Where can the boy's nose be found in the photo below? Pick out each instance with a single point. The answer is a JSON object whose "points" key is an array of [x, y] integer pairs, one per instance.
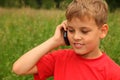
{"points": [[77, 36]]}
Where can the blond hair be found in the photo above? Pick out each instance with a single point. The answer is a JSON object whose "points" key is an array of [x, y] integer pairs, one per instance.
{"points": [[96, 9]]}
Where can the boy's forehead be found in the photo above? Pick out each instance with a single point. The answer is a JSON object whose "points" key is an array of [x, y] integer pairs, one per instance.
{"points": [[83, 19]]}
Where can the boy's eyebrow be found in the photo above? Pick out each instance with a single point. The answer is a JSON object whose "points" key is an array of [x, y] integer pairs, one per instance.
{"points": [[85, 28], [69, 26]]}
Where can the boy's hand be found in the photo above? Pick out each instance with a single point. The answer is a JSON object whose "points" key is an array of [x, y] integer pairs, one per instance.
{"points": [[33, 56], [58, 35]]}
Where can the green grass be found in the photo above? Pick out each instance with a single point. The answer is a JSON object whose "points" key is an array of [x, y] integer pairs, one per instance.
{"points": [[111, 43], [23, 29]]}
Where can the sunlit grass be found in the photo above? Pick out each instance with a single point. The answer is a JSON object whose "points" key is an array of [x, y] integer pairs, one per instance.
{"points": [[21, 30]]}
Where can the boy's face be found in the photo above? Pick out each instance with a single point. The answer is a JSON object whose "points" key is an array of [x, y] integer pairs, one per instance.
{"points": [[84, 36]]}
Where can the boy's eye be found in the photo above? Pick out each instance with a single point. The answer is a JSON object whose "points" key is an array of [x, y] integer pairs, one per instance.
{"points": [[84, 31], [71, 30]]}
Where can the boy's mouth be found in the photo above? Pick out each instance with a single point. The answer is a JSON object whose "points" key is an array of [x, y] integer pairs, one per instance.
{"points": [[78, 45]]}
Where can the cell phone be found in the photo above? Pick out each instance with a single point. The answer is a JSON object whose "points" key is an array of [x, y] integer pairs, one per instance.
{"points": [[66, 38]]}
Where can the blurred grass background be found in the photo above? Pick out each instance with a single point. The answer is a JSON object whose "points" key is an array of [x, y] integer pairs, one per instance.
{"points": [[25, 28]]}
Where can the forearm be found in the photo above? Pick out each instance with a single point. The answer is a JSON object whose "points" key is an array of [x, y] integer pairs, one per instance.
{"points": [[27, 62], [29, 59]]}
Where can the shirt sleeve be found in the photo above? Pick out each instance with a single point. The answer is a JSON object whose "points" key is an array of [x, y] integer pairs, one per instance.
{"points": [[45, 67]]}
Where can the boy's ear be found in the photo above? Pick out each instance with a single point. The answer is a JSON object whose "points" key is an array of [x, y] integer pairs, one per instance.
{"points": [[103, 31]]}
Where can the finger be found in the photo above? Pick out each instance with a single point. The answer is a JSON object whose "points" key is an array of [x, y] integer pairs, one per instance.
{"points": [[64, 25]]}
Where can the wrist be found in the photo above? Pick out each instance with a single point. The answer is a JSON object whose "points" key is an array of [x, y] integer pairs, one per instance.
{"points": [[56, 42]]}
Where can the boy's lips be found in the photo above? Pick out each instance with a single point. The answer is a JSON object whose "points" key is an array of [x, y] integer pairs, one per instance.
{"points": [[78, 45]]}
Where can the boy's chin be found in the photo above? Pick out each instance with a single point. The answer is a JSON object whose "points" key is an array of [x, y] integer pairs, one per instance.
{"points": [[79, 52]]}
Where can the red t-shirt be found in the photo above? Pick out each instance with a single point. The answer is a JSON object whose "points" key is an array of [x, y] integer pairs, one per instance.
{"points": [[67, 65]]}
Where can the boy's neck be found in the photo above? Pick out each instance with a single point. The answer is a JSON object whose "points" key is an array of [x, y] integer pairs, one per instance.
{"points": [[92, 55]]}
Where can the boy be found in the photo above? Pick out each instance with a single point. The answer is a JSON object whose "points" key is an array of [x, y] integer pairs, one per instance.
{"points": [[86, 25]]}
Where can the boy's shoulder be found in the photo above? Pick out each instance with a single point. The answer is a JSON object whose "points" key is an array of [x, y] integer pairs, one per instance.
{"points": [[62, 52], [113, 68], [111, 62]]}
